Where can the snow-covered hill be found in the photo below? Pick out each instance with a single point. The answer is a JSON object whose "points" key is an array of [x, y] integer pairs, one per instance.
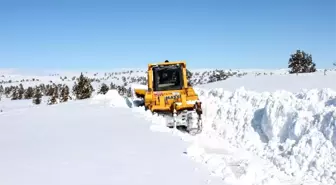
{"points": [[260, 128], [275, 80]]}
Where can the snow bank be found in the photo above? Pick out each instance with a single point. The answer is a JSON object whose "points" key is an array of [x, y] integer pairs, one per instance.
{"points": [[295, 132], [264, 138], [111, 98]]}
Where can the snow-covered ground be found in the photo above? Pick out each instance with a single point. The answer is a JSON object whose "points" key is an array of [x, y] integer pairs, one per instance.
{"points": [[258, 130], [90, 142]]}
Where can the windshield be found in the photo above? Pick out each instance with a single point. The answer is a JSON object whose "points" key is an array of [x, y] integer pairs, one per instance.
{"points": [[167, 79]]}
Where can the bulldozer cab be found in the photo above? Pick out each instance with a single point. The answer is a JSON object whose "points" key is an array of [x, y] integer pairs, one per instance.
{"points": [[167, 78]]}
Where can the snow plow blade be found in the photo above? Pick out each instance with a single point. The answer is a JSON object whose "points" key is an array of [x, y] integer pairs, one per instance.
{"points": [[169, 94]]}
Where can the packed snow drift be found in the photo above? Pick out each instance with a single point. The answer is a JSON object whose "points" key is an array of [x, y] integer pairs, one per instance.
{"points": [[112, 98]]}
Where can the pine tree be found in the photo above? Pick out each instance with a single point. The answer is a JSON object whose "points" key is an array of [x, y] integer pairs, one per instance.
{"points": [[15, 93], [8, 91], [1, 91], [113, 86], [43, 89], [83, 88], [20, 92], [37, 96], [29, 93], [49, 91], [301, 62], [64, 97], [54, 97], [129, 92], [103, 89]]}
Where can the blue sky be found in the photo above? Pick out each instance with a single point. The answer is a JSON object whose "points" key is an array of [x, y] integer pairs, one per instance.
{"points": [[96, 34]]}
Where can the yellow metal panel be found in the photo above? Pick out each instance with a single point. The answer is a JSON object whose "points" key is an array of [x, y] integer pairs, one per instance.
{"points": [[150, 78], [140, 92], [162, 103], [185, 80], [184, 99]]}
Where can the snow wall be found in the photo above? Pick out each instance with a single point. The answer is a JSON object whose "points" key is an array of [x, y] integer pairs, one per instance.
{"points": [[295, 132], [265, 138]]}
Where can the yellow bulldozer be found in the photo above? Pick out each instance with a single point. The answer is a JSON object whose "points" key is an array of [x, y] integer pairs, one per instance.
{"points": [[169, 94]]}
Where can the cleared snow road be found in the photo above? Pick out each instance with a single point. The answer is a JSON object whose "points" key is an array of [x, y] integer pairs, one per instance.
{"points": [[83, 144]]}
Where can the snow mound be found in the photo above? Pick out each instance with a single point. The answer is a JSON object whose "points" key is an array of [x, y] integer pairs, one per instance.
{"points": [[294, 132], [136, 101], [112, 98]]}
